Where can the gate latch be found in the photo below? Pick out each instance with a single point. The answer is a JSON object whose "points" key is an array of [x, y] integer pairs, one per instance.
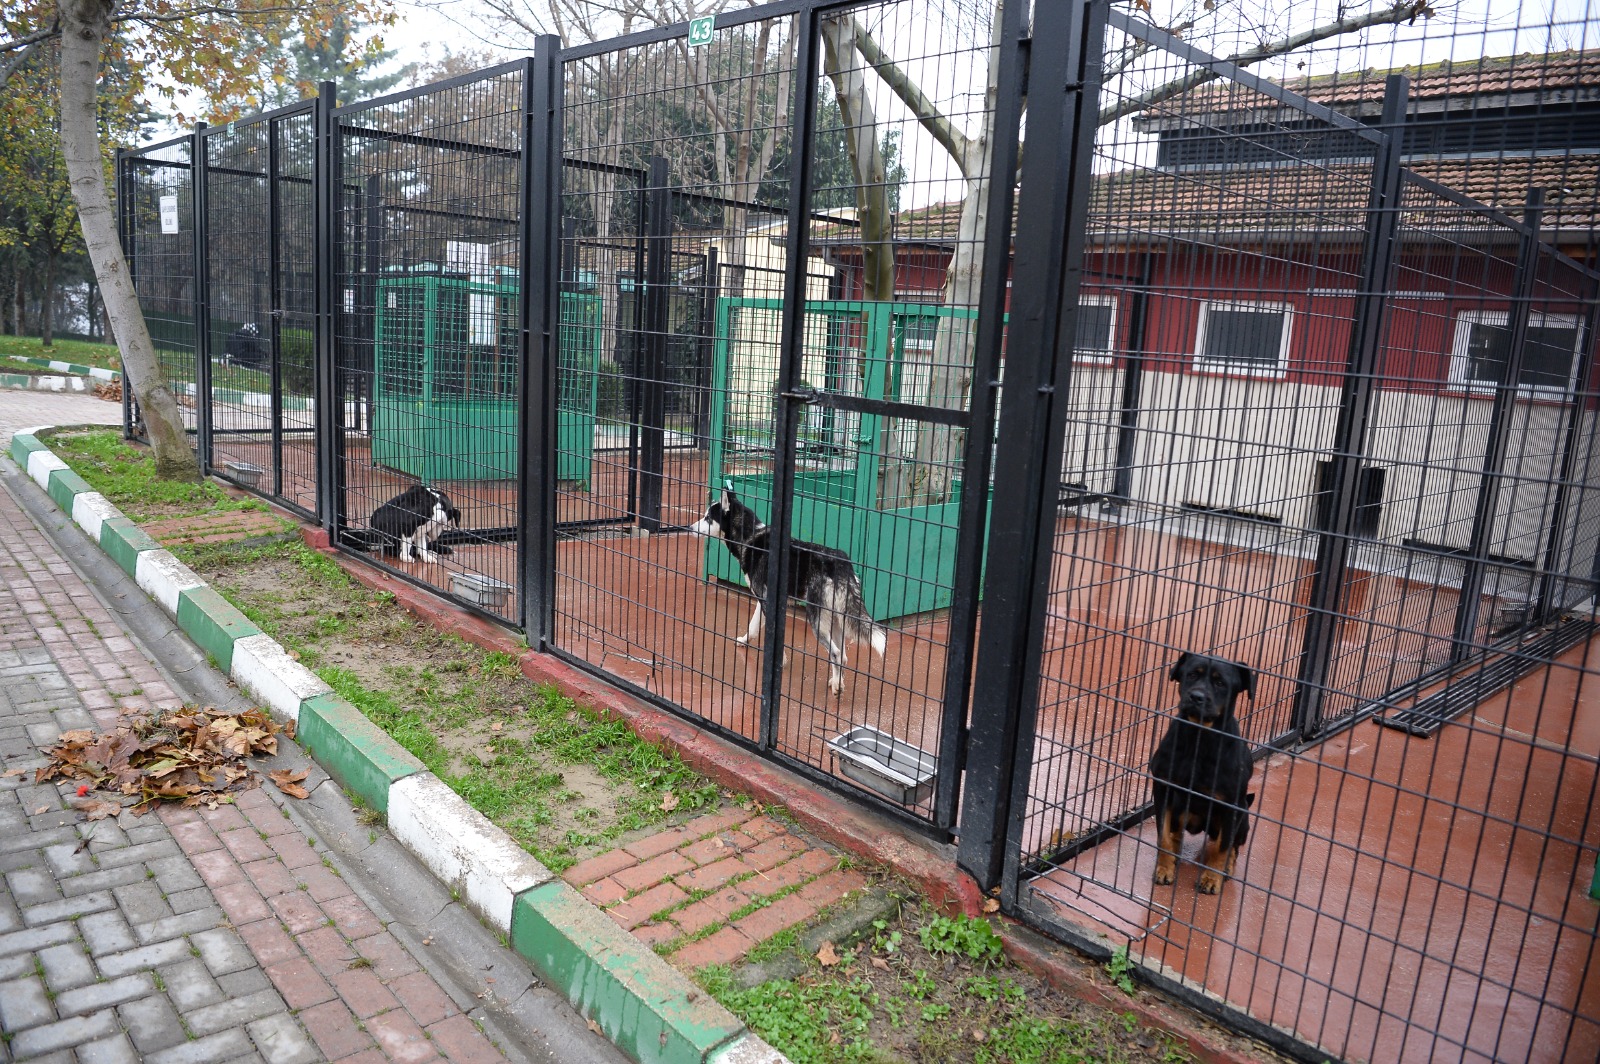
{"points": [[806, 395]]}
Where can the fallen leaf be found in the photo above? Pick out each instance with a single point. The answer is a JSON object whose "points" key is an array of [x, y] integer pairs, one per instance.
{"points": [[991, 905], [826, 955], [428, 941], [595, 1027], [42, 809], [288, 782], [95, 809], [880, 964], [979, 1034], [669, 802], [495, 726], [15, 771]]}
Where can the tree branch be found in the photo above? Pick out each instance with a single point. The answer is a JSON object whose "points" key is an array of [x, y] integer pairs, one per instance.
{"points": [[17, 62], [1405, 11], [928, 114]]}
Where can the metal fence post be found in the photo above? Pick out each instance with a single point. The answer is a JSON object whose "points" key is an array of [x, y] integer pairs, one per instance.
{"points": [[651, 361], [791, 346], [1355, 411], [1505, 395], [1063, 115], [124, 185], [202, 302], [329, 401], [1132, 385], [1545, 607], [274, 310], [976, 461], [538, 308]]}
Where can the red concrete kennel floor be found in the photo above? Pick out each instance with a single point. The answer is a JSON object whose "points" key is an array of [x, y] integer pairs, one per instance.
{"points": [[1400, 898]]}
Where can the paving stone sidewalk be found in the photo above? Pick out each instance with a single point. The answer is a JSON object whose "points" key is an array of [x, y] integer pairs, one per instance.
{"points": [[203, 936]]}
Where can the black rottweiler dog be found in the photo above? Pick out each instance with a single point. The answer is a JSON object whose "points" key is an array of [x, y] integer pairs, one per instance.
{"points": [[1201, 771]]}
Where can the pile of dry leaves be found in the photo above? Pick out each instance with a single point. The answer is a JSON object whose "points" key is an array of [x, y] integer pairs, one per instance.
{"points": [[192, 756]]}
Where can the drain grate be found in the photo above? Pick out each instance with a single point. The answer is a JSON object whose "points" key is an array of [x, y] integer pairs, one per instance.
{"points": [[1462, 693]]}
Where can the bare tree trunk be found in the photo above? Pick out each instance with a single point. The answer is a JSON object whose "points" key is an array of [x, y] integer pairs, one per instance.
{"points": [[47, 308], [18, 304], [84, 25], [866, 158]]}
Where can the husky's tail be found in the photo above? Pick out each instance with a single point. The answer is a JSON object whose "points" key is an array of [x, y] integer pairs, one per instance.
{"points": [[857, 623]]}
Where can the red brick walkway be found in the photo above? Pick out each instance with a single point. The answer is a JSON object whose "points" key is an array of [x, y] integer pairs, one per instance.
{"points": [[709, 891]]}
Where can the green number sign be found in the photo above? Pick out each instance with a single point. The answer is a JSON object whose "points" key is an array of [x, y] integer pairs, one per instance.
{"points": [[700, 30]]}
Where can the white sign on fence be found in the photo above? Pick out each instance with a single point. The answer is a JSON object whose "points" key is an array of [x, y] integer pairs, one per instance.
{"points": [[169, 214], [701, 29]]}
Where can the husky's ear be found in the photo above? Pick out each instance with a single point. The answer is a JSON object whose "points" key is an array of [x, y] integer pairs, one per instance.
{"points": [[728, 498]]}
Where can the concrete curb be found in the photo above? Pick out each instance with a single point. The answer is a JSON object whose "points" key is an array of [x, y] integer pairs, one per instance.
{"points": [[643, 1005], [75, 369]]}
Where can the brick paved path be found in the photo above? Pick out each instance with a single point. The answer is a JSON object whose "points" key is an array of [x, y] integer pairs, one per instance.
{"points": [[763, 878], [22, 410], [183, 936]]}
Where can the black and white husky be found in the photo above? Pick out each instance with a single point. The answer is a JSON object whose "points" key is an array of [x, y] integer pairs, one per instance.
{"points": [[819, 576], [410, 522]]}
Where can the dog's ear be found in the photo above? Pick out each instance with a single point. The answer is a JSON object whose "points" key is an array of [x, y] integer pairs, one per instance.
{"points": [[727, 498], [1177, 669], [1247, 680]]}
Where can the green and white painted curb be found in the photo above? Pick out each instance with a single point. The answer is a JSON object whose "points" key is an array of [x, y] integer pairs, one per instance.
{"points": [[64, 376], [645, 1007]]}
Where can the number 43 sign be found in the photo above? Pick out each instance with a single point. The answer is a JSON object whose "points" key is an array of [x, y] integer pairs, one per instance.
{"points": [[700, 30]]}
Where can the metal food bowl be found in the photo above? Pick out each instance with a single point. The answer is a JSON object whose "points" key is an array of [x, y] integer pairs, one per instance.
{"points": [[484, 591], [248, 474], [892, 767]]}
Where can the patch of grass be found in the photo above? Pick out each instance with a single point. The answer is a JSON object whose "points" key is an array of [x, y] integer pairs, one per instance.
{"points": [[80, 351], [970, 937], [778, 944], [404, 725], [1120, 969], [126, 476]]}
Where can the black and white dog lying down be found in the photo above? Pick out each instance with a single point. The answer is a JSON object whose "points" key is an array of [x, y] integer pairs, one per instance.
{"points": [[819, 576], [410, 522]]}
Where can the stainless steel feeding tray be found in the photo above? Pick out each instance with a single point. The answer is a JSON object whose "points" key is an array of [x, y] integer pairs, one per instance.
{"points": [[483, 591], [878, 761], [246, 473]]}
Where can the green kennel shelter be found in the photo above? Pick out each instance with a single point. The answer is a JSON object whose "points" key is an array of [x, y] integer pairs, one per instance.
{"points": [[445, 389], [855, 478]]}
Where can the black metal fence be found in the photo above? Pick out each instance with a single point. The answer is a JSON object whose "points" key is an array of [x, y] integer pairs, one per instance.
{"points": [[1287, 381]]}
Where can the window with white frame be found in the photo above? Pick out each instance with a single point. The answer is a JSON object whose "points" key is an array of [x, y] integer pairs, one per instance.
{"points": [[1238, 337], [1483, 343], [1097, 327]]}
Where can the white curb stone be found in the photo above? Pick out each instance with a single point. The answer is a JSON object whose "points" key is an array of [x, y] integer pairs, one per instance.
{"points": [[90, 510], [462, 847], [103, 374], [41, 464], [164, 578], [265, 669], [746, 1049]]}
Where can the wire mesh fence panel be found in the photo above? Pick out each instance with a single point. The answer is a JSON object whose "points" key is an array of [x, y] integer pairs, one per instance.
{"points": [[675, 186], [427, 334], [157, 206], [240, 301], [294, 324], [1354, 456]]}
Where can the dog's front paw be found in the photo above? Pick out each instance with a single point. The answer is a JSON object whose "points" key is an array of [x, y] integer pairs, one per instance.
{"points": [[743, 640], [428, 557], [1211, 881], [444, 549], [835, 685], [1166, 870]]}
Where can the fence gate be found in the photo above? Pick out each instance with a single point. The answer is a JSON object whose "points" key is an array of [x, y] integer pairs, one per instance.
{"points": [[258, 300], [711, 213], [1355, 451], [155, 210], [427, 193]]}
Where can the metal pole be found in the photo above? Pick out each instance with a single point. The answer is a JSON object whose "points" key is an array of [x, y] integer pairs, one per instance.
{"points": [[1505, 396], [124, 174], [652, 366], [1545, 605], [202, 305], [329, 402], [1132, 386], [975, 463], [791, 346], [1063, 113], [275, 309], [1355, 412], [711, 291], [538, 310]]}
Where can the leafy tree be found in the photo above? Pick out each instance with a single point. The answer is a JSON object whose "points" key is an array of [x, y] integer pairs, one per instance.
{"points": [[292, 68], [165, 45]]}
